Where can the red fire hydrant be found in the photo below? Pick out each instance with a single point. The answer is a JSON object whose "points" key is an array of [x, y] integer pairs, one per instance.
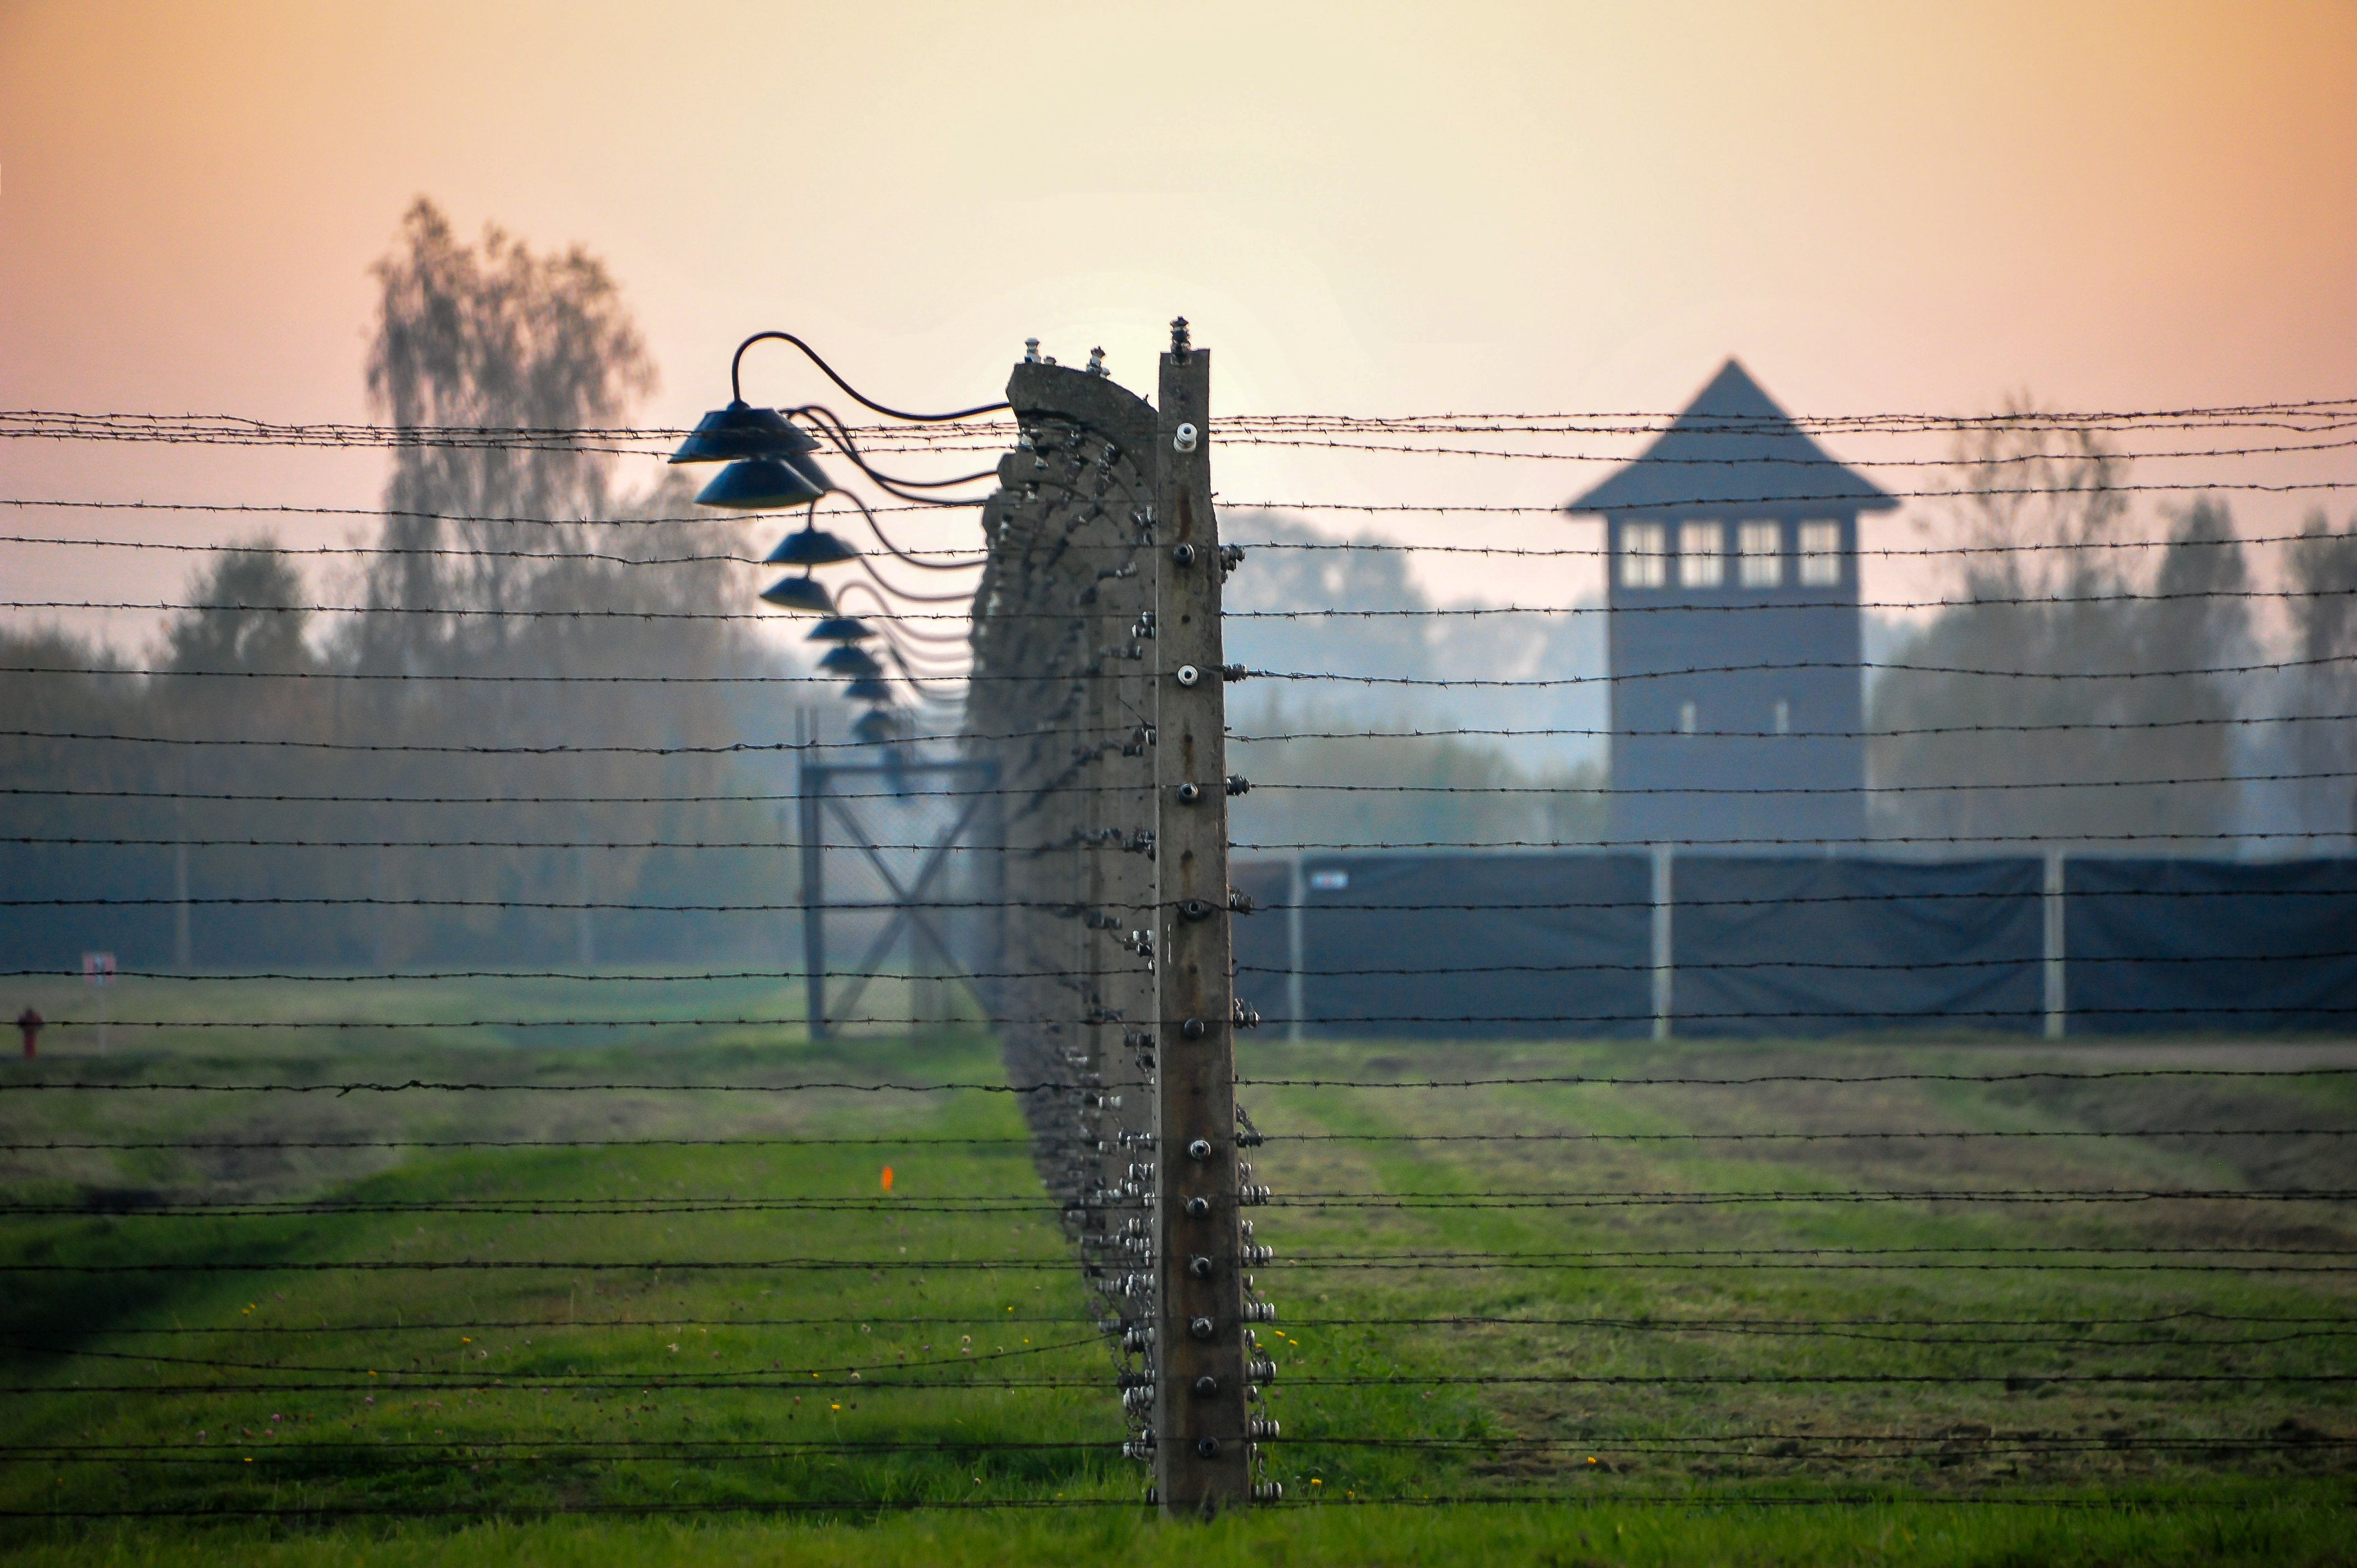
{"points": [[30, 1022]]}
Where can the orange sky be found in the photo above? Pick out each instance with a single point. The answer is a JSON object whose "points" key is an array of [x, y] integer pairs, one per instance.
{"points": [[1364, 207]]}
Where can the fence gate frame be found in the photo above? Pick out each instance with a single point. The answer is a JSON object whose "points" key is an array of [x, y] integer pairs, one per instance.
{"points": [[909, 910]]}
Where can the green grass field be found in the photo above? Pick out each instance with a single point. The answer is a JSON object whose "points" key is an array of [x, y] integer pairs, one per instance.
{"points": [[2159, 1387]]}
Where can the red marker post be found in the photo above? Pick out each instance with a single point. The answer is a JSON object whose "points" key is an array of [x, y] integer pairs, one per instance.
{"points": [[30, 1021]]}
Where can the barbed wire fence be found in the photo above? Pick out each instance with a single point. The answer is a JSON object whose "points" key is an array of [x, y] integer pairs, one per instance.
{"points": [[1101, 608], [1095, 691]]}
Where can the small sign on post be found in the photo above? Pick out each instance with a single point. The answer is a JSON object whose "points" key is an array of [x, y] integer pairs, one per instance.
{"points": [[98, 969]]}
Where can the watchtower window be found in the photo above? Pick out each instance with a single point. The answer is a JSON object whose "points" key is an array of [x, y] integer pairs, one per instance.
{"points": [[1821, 563], [1761, 554], [1702, 558], [1644, 556]]}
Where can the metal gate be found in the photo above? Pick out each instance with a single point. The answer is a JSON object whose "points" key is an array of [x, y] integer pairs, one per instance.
{"points": [[901, 858]]}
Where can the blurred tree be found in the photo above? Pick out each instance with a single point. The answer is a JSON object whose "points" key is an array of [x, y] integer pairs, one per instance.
{"points": [[490, 337], [67, 789], [2047, 591], [533, 348], [245, 612], [462, 814], [248, 614], [1371, 739], [2324, 629]]}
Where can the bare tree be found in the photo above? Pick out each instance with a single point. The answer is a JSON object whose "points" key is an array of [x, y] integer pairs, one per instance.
{"points": [[2063, 625], [535, 348], [491, 337], [2022, 479]]}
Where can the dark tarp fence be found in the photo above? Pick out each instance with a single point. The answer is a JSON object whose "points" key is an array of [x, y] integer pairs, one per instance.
{"points": [[1263, 940], [1531, 946], [2193, 944], [1489, 945], [1813, 945]]}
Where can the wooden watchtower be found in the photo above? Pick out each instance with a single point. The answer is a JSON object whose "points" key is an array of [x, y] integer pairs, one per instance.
{"points": [[1737, 707]]}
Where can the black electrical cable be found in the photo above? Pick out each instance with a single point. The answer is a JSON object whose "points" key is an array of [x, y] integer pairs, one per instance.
{"points": [[890, 484], [735, 384], [885, 609]]}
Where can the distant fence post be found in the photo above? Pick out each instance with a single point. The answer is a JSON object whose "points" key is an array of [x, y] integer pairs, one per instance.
{"points": [[806, 787], [183, 944], [1296, 890], [1665, 975], [2057, 998]]}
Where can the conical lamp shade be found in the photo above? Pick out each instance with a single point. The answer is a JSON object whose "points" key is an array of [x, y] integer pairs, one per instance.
{"points": [[758, 484], [845, 660], [799, 594], [740, 430], [807, 467], [869, 689], [810, 547], [840, 628], [876, 727]]}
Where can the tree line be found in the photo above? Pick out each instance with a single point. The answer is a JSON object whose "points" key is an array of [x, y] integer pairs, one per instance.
{"points": [[376, 720], [2200, 716], [422, 783]]}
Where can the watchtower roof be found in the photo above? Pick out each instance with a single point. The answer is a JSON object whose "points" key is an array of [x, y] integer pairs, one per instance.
{"points": [[1733, 445]]}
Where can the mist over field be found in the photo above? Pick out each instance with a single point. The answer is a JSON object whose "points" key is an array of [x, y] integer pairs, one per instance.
{"points": [[1357, 928]]}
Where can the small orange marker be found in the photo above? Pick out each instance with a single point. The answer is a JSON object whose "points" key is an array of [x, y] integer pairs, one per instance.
{"points": [[887, 1178]]}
